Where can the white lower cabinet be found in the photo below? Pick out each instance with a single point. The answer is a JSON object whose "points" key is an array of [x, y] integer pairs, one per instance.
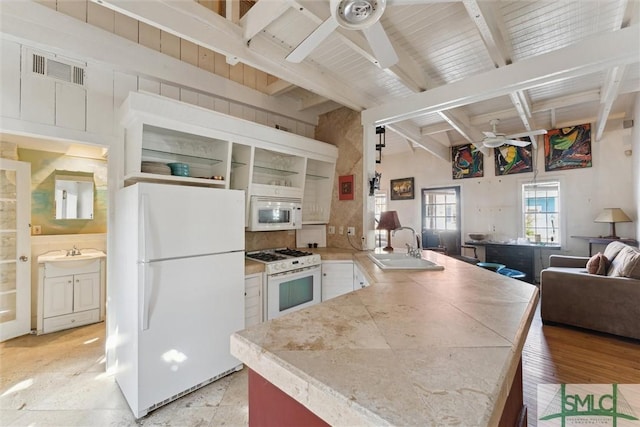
{"points": [[252, 299], [70, 297], [337, 278]]}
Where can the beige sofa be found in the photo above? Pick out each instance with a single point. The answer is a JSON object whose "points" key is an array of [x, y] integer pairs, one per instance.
{"points": [[607, 303]]}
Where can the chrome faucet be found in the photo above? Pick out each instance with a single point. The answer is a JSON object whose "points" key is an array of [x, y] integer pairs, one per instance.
{"points": [[73, 252], [414, 251]]}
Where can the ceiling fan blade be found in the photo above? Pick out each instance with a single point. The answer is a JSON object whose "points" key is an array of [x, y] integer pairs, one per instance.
{"points": [[381, 45], [489, 134], [301, 51], [530, 133], [517, 143]]}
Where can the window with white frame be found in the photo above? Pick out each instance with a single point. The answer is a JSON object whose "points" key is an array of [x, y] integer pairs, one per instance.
{"points": [[541, 211], [380, 206]]}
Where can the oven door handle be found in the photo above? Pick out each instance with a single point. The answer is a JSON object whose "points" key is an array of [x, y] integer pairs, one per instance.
{"points": [[302, 270]]}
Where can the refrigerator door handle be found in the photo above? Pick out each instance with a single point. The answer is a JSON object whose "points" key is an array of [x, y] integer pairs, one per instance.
{"points": [[144, 223], [147, 290]]}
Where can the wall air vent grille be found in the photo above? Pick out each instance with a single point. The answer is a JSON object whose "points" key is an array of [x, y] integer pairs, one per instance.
{"points": [[58, 70], [38, 64]]}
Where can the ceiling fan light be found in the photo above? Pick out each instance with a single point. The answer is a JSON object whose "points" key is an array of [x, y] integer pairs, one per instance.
{"points": [[493, 143], [357, 14]]}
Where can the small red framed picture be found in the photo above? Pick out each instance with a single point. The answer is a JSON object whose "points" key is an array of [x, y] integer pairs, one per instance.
{"points": [[346, 187]]}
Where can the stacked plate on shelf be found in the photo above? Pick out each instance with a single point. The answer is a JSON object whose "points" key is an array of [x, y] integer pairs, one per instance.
{"points": [[155, 167]]}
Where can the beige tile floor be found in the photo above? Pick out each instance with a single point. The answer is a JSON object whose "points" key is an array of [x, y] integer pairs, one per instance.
{"points": [[59, 379]]}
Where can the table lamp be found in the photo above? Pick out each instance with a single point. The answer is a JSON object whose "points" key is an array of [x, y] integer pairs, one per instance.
{"points": [[612, 215], [388, 221]]}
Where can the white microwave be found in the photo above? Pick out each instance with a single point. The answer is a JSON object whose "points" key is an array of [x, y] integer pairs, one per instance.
{"points": [[274, 213]]}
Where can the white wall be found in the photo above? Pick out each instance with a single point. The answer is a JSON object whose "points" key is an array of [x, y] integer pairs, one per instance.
{"points": [[493, 201], [635, 147]]}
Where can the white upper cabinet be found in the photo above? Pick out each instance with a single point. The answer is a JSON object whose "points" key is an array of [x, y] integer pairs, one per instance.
{"points": [[219, 150]]}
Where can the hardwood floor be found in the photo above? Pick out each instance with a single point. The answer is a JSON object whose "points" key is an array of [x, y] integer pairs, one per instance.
{"points": [[559, 354]]}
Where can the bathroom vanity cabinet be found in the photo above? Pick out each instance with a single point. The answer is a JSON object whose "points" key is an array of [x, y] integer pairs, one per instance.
{"points": [[71, 293]]}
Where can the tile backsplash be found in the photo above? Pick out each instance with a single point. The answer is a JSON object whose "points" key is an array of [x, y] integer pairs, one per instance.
{"points": [[254, 241]]}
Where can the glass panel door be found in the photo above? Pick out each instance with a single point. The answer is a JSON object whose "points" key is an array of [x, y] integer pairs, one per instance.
{"points": [[15, 269], [440, 213]]}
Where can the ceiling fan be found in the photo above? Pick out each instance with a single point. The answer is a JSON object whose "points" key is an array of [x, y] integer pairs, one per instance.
{"points": [[352, 15], [494, 139]]}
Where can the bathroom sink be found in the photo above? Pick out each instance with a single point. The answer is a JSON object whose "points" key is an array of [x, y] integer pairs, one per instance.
{"points": [[61, 256], [393, 261]]}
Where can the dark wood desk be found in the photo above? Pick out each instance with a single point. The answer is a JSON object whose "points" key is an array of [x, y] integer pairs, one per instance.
{"points": [[604, 241], [519, 257]]}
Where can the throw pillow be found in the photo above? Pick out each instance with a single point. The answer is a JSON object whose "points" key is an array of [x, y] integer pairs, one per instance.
{"points": [[626, 263], [613, 249], [598, 264]]}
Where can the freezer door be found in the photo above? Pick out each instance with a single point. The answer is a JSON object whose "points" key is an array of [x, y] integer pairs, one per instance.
{"points": [[178, 221], [195, 304]]}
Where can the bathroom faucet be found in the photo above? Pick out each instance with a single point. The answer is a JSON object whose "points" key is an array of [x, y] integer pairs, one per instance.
{"points": [[73, 252], [411, 250]]}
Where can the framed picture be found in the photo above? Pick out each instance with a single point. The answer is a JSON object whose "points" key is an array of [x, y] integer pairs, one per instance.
{"points": [[346, 187], [511, 159], [467, 162], [568, 148], [402, 189]]}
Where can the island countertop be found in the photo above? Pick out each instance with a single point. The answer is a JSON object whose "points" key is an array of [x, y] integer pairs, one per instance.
{"points": [[414, 348]]}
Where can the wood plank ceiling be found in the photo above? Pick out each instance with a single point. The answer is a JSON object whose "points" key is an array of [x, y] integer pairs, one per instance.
{"points": [[469, 46]]}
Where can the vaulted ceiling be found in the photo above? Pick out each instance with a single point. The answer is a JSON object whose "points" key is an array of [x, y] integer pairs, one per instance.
{"points": [[530, 64]]}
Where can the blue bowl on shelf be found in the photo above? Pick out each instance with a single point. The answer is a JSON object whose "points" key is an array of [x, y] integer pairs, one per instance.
{"points": [[179, 169]]}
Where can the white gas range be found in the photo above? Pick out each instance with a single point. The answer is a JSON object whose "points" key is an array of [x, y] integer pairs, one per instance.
{"points": [[293, 279]]}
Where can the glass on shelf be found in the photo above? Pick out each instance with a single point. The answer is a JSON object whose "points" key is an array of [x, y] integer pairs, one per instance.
{"points": [[316, 177], [273, 171], [157, 155]]}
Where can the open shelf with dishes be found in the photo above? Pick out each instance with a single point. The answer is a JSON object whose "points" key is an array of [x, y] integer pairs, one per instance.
{"points": [[278, 169], [318, 190], [172, 156]]}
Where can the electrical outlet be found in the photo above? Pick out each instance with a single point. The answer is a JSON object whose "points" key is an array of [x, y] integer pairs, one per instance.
{"points": [[37, 229], [341, 230], [332, 229], [351, 231]]}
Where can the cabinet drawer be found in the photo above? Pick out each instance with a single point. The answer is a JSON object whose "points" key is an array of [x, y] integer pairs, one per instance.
{"points": [[57, 323], [64, 268]]}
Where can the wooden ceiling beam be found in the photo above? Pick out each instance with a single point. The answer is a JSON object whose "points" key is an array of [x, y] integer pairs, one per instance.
{"points": [[588, 56], [263, 13], [412, 133], [197, 24]]}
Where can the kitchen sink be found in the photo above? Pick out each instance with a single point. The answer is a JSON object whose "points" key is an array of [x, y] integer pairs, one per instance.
{"points": [[391, 261]]}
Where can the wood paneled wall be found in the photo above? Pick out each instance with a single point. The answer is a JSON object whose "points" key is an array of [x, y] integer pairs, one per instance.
{"points": [[161, 41]]}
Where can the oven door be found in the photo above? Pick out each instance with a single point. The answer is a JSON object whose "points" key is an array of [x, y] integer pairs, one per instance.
{"points": [[292, 290]]}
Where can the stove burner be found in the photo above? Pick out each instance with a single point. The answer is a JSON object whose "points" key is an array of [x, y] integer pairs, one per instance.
{"points": [[292, 252], [266, 256]]}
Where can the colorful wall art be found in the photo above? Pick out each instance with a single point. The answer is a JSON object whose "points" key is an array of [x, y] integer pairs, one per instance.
{"points": [[568, 148], [467, 162], [510, 159], [402, 189]]}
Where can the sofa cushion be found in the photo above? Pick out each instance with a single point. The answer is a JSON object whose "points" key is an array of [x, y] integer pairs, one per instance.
{"points": [[626, 263], [613, 249], [598, 264]]}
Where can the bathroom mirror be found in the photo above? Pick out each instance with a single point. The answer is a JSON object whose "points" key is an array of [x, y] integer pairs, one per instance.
{"points": [[74, 196]]}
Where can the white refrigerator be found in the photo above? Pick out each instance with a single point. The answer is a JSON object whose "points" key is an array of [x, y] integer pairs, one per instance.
{"points": [[176, 291]]}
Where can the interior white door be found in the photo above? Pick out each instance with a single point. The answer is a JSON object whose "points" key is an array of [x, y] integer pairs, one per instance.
{"points": [[15, 268]]}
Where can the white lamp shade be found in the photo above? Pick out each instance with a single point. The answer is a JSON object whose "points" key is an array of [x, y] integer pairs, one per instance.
{"points": [[612, 215]]}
